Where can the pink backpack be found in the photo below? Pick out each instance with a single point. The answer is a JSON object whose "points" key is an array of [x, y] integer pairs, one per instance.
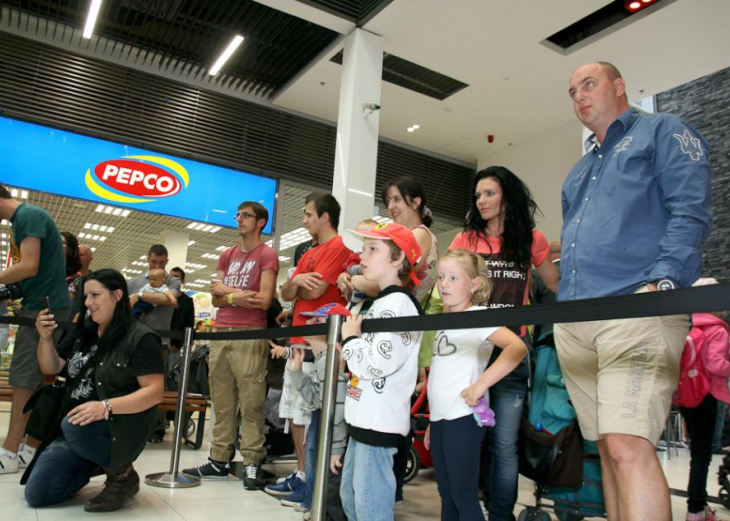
{"points": [[694, 382]]}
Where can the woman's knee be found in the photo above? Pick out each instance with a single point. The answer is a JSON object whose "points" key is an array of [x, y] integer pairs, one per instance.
{"points": [[36, 494]]}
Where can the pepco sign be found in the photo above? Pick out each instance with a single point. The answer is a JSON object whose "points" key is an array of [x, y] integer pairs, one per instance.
{"points": [[136, 176]]}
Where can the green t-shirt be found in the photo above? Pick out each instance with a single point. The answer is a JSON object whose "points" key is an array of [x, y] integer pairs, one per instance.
{"points": [[50, 281]]}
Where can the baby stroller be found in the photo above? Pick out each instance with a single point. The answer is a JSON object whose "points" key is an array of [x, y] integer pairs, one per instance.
{"points": [[566, 469], [722, 479], [420, 456]]}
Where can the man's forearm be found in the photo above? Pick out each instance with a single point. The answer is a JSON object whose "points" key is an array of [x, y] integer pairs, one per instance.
{"points": [[289, 290], [17, 272]]}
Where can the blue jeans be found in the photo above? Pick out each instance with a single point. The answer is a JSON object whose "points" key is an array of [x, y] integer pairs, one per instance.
{"points": [[719, 424], [66, 465], [507, 399], [454, 446], [368, 482], [310, 458]]}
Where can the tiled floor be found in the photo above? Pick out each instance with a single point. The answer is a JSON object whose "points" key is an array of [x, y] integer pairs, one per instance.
{"points": [[219, 500]]}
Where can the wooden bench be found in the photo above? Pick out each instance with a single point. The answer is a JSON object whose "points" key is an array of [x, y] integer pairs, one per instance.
{"points": [[193, 403]]}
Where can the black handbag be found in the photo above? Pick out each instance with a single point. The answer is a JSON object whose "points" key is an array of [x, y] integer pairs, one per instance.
{"points": [[45, 407], [554, 460]]}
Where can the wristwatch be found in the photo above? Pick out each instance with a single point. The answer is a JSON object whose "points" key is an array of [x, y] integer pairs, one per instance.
{"points": [[230, 298], [663, 284]]}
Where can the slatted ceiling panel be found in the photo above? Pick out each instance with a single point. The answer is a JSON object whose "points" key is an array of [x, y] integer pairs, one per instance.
{"points": [[192, 33], [53, 87], [354, 10]]}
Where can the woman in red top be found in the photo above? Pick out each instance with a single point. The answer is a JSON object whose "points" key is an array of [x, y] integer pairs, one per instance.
{"points": [[500, 227]]}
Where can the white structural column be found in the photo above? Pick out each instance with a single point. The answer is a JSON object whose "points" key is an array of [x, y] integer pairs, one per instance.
{"points": [[358, 121], [177, 249]]}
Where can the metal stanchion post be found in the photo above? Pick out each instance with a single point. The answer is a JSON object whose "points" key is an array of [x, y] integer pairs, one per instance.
{"points": [[326, 421], [173, 478]]}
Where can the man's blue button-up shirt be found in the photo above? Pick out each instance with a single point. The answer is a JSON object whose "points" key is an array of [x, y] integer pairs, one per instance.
{"points": [[637, 208]]}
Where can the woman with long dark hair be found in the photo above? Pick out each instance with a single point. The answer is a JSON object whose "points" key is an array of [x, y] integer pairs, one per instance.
{"points": [[73, 263], [500, 227], [114, 379]]}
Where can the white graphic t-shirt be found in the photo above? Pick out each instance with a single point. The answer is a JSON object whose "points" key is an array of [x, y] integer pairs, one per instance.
{"points": [[460, 356]]}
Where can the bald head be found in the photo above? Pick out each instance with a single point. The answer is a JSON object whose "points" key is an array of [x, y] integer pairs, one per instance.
{"points": [[86, 257], [599, 96]]}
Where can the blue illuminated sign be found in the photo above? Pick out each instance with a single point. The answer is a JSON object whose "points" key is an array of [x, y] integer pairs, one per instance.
{"points": [[59, 162]]}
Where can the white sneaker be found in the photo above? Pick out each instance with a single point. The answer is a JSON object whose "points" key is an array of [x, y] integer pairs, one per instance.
{"points": [[25, 455], [9, 462]]}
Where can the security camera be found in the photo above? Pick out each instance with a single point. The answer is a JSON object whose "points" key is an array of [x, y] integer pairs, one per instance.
{"points": [[370, 106]]}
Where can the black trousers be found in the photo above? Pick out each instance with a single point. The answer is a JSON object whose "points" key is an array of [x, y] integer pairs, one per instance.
{"points": [[700, 422]]}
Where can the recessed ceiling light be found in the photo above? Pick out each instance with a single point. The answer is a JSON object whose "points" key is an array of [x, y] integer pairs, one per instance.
{"points": [[410, 129], [91, 18], [190, 243], [415, 127], [237, 40]]}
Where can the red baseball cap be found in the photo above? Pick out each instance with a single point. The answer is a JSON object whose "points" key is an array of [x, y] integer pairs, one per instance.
{"points": [[402, 237], [328, 309]]}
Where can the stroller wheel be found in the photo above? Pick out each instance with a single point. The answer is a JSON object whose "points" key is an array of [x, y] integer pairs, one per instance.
{"points": [[724, 497], [413, 465], [532, 514], [189, 428]]}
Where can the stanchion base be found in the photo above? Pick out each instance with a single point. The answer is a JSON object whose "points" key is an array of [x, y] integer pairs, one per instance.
{"points": [[170, 480]]}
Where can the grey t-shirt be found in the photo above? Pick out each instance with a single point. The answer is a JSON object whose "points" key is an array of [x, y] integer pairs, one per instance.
{"points": [[161, 316]]}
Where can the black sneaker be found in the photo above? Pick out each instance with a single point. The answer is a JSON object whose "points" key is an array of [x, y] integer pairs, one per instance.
{"points": [[210, 470], [251, 479]]}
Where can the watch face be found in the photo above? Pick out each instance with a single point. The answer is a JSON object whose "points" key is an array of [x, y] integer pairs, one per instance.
{"points": [[664, 285]]}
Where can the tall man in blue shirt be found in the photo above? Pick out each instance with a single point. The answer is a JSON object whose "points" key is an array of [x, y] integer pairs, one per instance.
{"points": [[636, 210]]}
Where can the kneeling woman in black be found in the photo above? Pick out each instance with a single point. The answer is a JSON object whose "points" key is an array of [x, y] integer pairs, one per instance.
{"points": [[114, 374]]}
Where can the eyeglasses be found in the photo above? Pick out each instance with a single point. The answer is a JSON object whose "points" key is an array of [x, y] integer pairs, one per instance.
{"points": [[243, 215]]}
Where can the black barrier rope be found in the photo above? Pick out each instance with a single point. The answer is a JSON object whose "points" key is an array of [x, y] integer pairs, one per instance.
{"points": [[682, 301], [30, 322]]}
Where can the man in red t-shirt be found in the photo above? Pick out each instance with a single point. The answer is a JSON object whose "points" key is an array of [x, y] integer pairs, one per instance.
{"points": [[313, 284], [243, 291]]}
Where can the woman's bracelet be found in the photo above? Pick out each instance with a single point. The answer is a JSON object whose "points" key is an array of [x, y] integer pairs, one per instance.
{"points": [[107, 409]]}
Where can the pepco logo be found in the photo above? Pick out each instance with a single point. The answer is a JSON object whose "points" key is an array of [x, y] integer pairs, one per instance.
{"points": [[135, 176]]}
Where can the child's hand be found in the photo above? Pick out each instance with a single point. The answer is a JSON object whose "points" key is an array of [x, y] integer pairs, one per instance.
{"points": [[344, 283], [296, 360], [342, 363], [335, 463], [133, 299], [427, 438], [472, 393], [277, 351], [352, 327]]}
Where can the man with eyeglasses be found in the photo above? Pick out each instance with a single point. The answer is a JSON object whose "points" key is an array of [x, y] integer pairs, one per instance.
{"points": [[243, 291]]}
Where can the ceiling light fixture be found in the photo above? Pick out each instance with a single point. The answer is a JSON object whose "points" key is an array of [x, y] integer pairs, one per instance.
{"points": [[223, 58], [91, 18]]}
